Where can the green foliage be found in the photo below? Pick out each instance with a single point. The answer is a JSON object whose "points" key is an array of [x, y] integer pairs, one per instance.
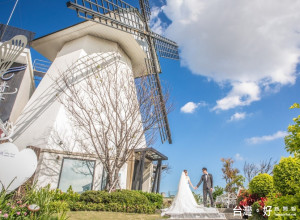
{"points": [[295, 105], [113, 207], [197, 198], [128, 197], [11, 209], [292, 141], [118, 201], [69, 196], [46, 199], [217, 192], [154, 198], [257, 215], [53, 203], [288, 201], [95, 196], [262, 185], [286, 176], [119, 196]]}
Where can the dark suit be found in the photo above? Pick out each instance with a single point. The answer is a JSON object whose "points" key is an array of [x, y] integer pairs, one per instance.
{"points": [[207, 185]]}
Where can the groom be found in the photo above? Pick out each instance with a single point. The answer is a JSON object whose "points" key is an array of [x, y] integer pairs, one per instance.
{"points": [[207, 180]]}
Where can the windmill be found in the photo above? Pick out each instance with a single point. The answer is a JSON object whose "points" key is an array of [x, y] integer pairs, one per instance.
{"points": [[125, 17]]}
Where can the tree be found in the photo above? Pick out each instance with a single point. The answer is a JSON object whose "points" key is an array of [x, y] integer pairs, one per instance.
{"points": [[287, 176], [292, 141], [230, 174], [110, 113], [217, 192], [251, 169]]}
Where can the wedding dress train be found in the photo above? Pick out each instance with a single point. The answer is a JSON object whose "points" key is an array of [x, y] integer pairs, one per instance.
{"points": [[184, 205]]}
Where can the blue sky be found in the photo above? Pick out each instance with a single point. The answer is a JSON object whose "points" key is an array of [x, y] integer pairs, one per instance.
{"points": [[203, 137]]}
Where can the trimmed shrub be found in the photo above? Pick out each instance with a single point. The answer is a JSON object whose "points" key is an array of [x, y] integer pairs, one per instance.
{"points": [[113, 207], [128, 197], [153, 198], [95, 197], [262, 185], [286, 176], [119, 201]]}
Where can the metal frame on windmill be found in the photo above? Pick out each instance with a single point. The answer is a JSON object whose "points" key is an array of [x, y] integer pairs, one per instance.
{"points": [[123, 16]]}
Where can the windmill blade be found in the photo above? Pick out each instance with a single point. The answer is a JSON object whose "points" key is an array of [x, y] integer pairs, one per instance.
{"points": [[114, 13], [165, 47], [145, 7], [158, 102]]}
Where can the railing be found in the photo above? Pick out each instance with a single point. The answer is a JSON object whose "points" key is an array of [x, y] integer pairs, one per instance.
{"points": [[41, 65]]}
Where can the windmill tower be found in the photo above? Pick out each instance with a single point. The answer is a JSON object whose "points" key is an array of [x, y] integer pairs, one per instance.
{"points": [[115, 27], [123, 16]]}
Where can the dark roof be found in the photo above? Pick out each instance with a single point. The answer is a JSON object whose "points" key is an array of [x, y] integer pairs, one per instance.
{"points": [[151, 154]]}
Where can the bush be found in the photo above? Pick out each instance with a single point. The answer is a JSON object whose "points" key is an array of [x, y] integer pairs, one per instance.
{"points": [[285, 201], [262, 185], [128, 197], [118, 201], [14, 205], [113, 207], [197, 198], [259, 205], [217, 192], [69, 196], [95, 197], [154, 198], [286, 176]]}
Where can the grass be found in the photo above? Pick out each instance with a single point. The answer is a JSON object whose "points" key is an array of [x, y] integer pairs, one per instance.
{"points": [[111, 216]]}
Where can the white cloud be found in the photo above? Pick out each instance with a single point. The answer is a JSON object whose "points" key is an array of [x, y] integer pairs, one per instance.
{"points": [[238, 157], [190, 107], [155, 22], [238, 116], [257, 140], [251, 46]]}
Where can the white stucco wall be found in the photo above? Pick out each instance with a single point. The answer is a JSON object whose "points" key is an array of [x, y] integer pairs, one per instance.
{"points": [[43, 113]]}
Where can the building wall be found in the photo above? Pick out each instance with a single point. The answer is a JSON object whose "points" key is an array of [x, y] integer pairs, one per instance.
{"points": [[147, 176], [44, 116], [13, 104], [26, 88]]}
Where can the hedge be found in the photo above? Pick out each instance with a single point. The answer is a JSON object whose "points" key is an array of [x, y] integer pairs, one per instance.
{"points": [[118, 201], [113, 207]]}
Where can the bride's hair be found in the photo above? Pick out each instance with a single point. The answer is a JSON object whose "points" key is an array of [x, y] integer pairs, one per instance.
{"points": [[185, 171]]}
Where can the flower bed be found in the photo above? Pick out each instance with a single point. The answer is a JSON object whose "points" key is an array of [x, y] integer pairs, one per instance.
{"points": [[53, 203]]}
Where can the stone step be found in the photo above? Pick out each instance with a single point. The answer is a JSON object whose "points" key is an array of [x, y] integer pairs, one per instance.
{"points": [[231, 216]]}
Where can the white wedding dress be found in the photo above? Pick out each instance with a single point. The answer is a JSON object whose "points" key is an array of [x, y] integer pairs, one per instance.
{"points": [[184, 204]]}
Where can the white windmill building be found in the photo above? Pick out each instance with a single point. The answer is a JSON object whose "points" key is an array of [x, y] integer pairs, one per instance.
{"points": [[122, 31]]}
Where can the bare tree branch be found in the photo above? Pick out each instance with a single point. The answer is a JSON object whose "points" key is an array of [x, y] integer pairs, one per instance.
{"points": [[111, 113]]}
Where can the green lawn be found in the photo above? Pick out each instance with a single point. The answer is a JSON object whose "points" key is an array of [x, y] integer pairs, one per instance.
{"points": [[111, 216]]}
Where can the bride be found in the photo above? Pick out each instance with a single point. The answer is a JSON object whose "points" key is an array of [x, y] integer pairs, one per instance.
{"points": [[184, 204]]}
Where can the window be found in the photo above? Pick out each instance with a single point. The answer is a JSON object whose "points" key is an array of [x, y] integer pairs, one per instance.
{"points": [[76, 173], [104, 179]]}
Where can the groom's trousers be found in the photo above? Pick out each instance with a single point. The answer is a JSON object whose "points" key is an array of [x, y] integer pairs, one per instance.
{"points": [[205, 191]]}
